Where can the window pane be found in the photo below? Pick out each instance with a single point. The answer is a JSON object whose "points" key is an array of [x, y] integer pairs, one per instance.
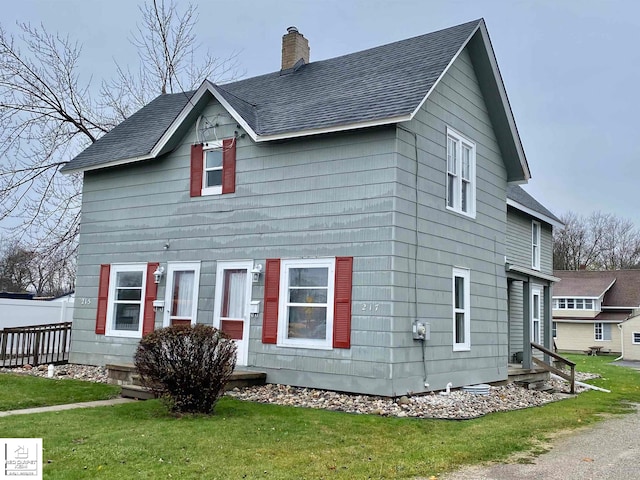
{"points": [[459, 293], [450, 191], [134, 294], [536, 306], [588, 304], [182, 296], [466, 162], [308, 277], [460, 328], [234, 300], [465, 196], [307, 322], [535, 233], [214, 178], [570, 303], [307, 295], [129, 279], [127, 317], [213, 159], [451, 156], [579, 304]]}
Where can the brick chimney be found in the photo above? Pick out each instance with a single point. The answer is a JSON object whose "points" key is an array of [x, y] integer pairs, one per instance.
{"points": [[294, 48]]}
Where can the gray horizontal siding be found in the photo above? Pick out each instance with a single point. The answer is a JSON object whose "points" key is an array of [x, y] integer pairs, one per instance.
{"points": [[447, 239], [519, 241]]}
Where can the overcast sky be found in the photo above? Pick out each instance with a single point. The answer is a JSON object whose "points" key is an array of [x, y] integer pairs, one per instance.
{"points": [[571, 69]]}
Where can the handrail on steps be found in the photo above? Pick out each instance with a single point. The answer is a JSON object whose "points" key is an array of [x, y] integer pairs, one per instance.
{"points": [[571, 378]]}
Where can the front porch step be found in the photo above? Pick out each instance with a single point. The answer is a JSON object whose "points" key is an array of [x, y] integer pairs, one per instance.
{"points": [[518, 374], [127, 377]]}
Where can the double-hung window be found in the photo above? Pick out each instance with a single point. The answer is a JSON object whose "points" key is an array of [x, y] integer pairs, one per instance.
{"points": [[461, 310], [306, 302], [461, 174], [126, 300], [635, 338], [212, 168], [535, 245]]}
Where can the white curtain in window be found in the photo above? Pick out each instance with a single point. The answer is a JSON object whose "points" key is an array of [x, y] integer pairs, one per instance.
{"points": [[183, 293], [237, 294]]}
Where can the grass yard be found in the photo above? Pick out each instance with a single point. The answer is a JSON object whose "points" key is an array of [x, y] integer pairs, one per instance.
{"points": [[23, 391], [252, 441]]}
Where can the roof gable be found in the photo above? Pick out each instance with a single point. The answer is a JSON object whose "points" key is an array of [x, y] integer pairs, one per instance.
{"points": [[379, 86]]}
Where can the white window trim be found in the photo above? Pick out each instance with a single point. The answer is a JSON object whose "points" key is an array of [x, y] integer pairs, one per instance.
{"points": [[283, 311], [536, 292], [457, 194], [181, 266], [564, 300], [535, 245], [633, 338], [115, 269], [465, 274], [595, 332], [216, 190]]}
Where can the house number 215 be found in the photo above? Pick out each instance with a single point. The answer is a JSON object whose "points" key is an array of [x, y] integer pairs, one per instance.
{"points": [[370, 307]]}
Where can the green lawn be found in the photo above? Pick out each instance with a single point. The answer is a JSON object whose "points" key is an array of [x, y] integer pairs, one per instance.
{"points": [[246, 440], [23, 391]]}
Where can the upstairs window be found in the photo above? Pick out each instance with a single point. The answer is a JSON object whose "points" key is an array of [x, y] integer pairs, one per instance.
{"points": [[461, 174], [213, 168], [535, 245]]}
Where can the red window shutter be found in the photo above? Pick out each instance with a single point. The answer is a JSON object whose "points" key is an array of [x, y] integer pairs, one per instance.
{"points": [[342, 303], [103, 299], [271, 299], [229, 165], [148, 315], [197, 162]]}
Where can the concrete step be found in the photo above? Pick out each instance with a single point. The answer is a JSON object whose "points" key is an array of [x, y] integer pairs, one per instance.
{"points": [[137, 392]]}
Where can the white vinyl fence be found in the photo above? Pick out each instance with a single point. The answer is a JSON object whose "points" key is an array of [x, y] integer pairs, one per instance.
{"points": [[23, 313]]}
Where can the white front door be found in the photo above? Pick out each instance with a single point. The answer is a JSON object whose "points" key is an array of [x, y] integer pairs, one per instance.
{"points": [[232, 303], [181, 297]]}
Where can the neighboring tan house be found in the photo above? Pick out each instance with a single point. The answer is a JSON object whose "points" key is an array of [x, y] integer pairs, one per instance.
{"points": [[589, 308], [345, 220]]}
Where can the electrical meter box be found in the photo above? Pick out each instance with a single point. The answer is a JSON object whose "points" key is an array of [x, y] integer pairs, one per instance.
{"points": [[421, 330]]}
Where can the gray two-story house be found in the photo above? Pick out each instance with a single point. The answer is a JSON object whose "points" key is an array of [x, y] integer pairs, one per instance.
{"points": [[345, 221]]}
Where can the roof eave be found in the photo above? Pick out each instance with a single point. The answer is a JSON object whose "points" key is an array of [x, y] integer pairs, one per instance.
{"points": [[114, 163], [540, 216]]}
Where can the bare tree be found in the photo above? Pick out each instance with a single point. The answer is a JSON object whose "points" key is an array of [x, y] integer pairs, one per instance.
{"points": [[598, 242], [48, 114], [169, 60]]}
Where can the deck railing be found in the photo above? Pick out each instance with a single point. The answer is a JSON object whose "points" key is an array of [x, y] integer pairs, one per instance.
{"points": [[35, 344], [570, 377]]}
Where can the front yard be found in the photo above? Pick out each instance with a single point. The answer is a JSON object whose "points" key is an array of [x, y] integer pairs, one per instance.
{"points": [[248, 440]]}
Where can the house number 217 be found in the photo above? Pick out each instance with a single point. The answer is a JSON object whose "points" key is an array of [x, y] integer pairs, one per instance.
{"points": [[370, 307]]}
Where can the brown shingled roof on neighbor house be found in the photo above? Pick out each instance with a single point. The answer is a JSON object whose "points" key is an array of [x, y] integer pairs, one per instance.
{"points": [[625, 291], [608, 316]]}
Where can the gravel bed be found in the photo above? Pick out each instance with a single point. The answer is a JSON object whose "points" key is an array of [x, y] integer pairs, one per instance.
{"points": [[88, 373], [457, 405]]}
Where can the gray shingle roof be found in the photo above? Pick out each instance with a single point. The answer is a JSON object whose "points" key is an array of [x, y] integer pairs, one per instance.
{"points": [[382, 82], [517, 194], [136, 136], [379, 83]]}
